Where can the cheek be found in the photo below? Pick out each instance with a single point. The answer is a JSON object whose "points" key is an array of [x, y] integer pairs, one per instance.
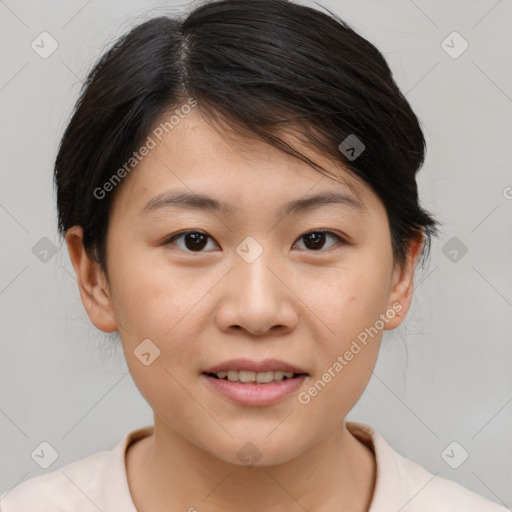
{"points": [[350, 306], [152, 296], [352, 301], [166, 305]]}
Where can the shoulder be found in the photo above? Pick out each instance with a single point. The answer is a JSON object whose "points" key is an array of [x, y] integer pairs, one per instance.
{"points": [[71, 487], [96, 482], [428, 491], [402, 484]]}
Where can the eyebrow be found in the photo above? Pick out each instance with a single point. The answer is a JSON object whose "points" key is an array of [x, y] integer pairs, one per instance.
{"points": [[196, 201]]}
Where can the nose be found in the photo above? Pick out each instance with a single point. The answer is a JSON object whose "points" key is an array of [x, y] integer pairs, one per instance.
{"points": [[258, 297]]}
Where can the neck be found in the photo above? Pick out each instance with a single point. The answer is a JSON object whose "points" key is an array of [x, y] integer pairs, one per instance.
{"points": [[337, 473]]}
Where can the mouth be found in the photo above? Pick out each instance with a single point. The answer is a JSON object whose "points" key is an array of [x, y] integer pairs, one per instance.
{"points": [[251, 377], [254, 383]]}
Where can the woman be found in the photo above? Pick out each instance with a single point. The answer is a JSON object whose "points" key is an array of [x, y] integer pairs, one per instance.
{"points": [[237, 193]]}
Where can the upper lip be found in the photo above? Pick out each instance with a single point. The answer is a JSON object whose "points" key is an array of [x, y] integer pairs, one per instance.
{"points": [[266, 365]]}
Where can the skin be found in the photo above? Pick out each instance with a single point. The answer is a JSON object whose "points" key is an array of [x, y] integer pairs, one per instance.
{"points": [[293, 303]]}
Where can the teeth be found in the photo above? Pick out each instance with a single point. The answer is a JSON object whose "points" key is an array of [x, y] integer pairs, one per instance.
{"points": [[263, 377], [232, 375], [249, 376]]}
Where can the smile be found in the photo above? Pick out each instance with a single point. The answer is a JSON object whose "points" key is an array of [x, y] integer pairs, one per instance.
{"points": [[254, 377], [252, 392]]}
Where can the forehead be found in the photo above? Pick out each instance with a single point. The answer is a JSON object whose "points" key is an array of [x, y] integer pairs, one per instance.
{"points": [[194, 158]]}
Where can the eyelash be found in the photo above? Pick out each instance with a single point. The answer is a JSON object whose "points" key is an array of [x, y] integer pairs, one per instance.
{"points": [[171, 239]]}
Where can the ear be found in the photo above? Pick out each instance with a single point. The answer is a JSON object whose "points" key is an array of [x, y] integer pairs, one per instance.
{"points": [[400, 297], [92, 282]]}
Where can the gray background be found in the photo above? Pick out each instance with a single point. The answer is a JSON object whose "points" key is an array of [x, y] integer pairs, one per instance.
{"points": [[444, 376]]}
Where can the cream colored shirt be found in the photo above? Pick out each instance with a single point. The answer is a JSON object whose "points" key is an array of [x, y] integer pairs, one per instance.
{"points": [[99, 482]]}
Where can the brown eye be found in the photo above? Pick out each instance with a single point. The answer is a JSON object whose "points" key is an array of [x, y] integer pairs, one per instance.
{"points": [[193, 241], [315, 240]]}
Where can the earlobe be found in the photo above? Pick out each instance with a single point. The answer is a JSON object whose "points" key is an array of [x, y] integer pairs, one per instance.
{"points": [[92, 283], [400, 297]]}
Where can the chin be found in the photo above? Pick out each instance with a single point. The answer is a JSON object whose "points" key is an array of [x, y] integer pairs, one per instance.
{"points": [[260, 450]]}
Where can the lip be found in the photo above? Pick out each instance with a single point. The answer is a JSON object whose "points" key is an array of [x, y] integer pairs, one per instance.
{"points": [[254, 394], [265, 365]]}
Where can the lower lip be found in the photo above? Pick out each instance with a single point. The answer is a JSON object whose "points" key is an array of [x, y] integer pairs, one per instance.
{"points": [[255, 394]]}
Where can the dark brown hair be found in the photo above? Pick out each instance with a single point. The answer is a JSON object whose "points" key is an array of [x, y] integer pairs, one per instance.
{"points": [[267, 66]]}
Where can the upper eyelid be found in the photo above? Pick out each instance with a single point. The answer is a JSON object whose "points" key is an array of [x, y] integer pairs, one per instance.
{"points": [[319, 230]]}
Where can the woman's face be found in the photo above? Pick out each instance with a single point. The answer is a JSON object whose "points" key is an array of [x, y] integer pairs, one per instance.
{"points": [[251, 287]]}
